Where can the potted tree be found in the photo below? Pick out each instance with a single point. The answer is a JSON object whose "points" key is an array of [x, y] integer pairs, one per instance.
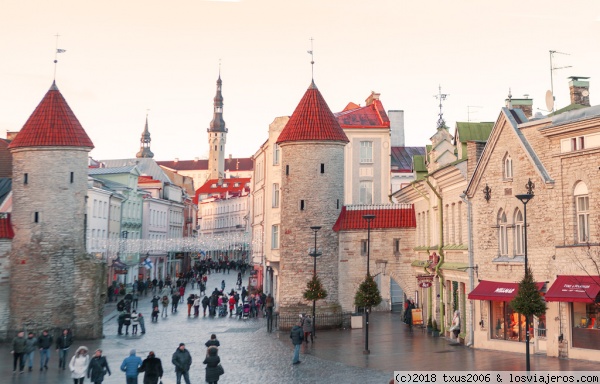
{"points": [[314, 291], [435, 330], [367, 295]]}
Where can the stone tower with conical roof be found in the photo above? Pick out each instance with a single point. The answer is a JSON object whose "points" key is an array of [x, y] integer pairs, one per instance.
{"points": [[54, 283], [217, 137], [312, 192], [145, 151]]}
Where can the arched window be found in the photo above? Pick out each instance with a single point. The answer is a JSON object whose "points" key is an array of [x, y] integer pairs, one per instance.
{"points": [[519, 233], [502, 234], [507, 170], [582, 206]]}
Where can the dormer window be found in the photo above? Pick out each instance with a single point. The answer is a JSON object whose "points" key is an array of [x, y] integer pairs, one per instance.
{"points": [[236, 185], [507, 170], [213, 186], [225, 185]]}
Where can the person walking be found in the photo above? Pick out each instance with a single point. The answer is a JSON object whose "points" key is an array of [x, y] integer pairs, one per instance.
{"points": [[213, 342], [79, 365], [130, 366], [269, 304], [127, 321], [134, 300], [44, 343], [152, 368], [174, 301], [97, 368], [155, 313], [142, 323], [182, 360], [307, 325], [455, 328], [135, 320], [205, 302], [197, 306], [62, 346], [19, 345], [30, 347], [165, 306], [213, 365], [190, 303], [296, 335]]}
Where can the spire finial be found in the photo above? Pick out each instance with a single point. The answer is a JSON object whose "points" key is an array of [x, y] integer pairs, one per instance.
{"points": [[58, 50], [441, 97], [509, 100], [219, 68], [312, 60]]}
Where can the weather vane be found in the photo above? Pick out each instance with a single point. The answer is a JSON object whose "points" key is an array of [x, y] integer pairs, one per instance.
{"points": [[312, 59], [58, 50], [441, 97]]}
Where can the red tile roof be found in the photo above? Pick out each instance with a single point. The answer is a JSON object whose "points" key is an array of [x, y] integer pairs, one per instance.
{"points": [[53, 123], [147, 180], [233, 164], [312, 120], [6, 231], [386, 216], [212, 187], [369, 116]]}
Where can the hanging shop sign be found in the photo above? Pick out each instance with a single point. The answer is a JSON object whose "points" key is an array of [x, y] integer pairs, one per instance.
{"points": [[425, 281]]}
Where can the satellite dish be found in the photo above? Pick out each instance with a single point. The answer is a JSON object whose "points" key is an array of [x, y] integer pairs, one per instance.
{"points": [[549, 101]]}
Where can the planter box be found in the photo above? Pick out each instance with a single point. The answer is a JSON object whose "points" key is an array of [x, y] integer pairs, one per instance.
{"points": [[356, 321]]}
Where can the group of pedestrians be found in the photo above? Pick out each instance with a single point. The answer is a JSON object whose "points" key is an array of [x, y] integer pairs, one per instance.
{"points": [[24, 348]]}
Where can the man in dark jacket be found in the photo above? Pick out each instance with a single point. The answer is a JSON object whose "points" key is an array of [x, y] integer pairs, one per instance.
{"points": [[44, 343], [152, 368], [18, 351], [297, 335], [62, 346], [182, 360], [97, 368]]}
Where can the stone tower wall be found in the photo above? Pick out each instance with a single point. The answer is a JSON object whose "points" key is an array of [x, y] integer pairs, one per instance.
{"points": [[216, 157], [53, 282], [323, 198]]}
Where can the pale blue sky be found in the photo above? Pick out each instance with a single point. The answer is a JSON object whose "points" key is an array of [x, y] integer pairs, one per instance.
{"points": [[124, 57]]}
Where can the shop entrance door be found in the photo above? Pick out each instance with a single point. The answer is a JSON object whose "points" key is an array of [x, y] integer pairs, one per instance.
{"points": [[539, 334]]}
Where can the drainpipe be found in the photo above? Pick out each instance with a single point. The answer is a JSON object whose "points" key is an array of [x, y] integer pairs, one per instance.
{"points": [[464, 198], [441, 254]]}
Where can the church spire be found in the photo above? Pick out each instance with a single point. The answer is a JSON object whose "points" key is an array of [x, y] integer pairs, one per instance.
{"points": [[145, 151], [218, 124]]}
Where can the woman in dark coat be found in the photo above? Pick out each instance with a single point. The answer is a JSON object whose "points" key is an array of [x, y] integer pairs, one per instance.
{"points": [[212, 361], [97, 368]]}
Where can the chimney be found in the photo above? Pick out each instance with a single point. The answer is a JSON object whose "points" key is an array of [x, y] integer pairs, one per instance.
{"points": [[10, 135], [579, 89], [176, 159], [230, 157], [196, 158], [372, 96], [396, 127], [525, 104]]}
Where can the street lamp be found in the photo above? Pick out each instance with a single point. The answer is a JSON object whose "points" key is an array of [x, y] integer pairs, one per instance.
{"points": [[525, 198], [315, 253], [369, 218]]}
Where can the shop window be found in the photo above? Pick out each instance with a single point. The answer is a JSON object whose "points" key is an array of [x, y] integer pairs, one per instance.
{"points": [[586, 325], [506, 323]]}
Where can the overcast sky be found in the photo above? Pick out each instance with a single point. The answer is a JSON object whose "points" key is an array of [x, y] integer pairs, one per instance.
{"points": [[125, 57]]}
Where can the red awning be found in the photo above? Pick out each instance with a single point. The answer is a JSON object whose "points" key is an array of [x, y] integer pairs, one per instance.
{"points": [[496, 291], [581, 289]]}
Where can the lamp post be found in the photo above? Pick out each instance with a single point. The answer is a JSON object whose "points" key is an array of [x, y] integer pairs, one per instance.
{"points": [[525, 198], [369, 218], [315, 253]]}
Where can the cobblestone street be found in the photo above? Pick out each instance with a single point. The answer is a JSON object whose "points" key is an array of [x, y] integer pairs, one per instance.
{"points": [[250, 355]]}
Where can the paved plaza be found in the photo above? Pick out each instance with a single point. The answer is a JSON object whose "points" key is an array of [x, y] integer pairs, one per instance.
{"points": [[251, 355]]}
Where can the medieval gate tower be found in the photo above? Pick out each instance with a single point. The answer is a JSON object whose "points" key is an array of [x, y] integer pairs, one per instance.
{"points": [[312, 146], [53, 282]]}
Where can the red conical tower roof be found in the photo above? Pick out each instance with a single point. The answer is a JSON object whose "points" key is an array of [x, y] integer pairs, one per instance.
{"points": [[52, 124], [312, 121]]}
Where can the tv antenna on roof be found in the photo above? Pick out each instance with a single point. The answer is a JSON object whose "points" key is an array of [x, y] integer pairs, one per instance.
{"points": [[550, 97], [469, 107]]}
